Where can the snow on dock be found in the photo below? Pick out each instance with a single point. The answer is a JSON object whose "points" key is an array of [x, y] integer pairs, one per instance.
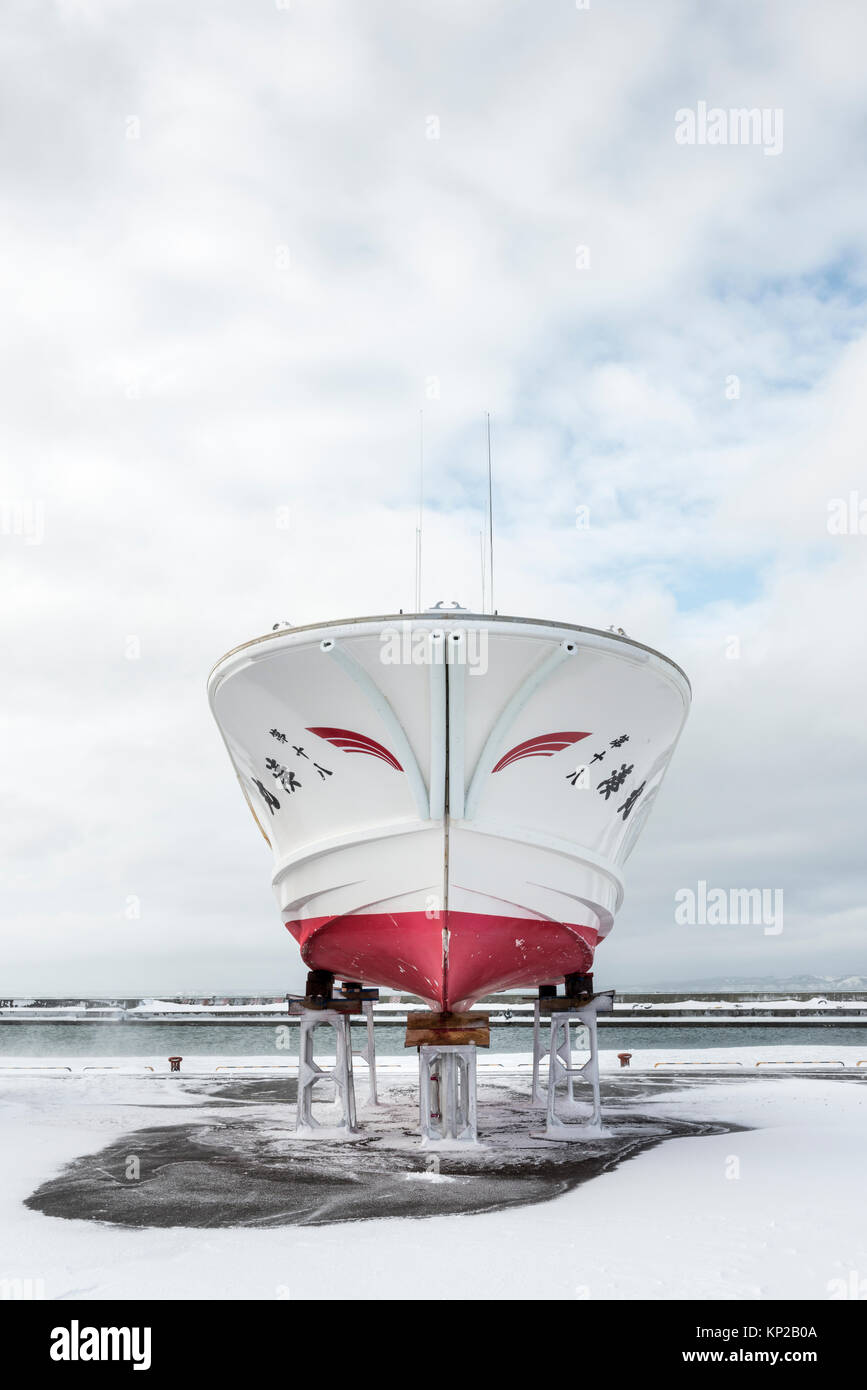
{"points": [[741, 1184], [519, 1064]]}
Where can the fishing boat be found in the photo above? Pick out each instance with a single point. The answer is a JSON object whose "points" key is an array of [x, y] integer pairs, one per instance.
{"points": [[449, 797]]}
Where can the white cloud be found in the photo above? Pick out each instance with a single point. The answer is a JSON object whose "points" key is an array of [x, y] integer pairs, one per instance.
{"points": [[241, 309]]}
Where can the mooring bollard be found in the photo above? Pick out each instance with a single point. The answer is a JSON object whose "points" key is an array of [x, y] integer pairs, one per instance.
{"points": [[624, 1058], [176, 1063]]}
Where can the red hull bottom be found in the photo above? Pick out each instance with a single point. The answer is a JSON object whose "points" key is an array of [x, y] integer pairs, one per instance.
{"points": [[405, 951]]}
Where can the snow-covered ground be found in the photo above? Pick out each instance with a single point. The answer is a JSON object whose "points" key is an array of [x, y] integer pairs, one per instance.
{"points": [[775, 1211], [642, 1059]]}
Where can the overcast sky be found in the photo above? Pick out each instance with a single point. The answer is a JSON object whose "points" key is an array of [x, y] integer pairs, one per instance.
{"points": [[243, 244]]}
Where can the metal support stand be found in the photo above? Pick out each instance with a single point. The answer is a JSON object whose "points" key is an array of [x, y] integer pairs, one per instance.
{"points": [[309, 1072], [546, 992], [536, 1096], [563, 1011], [560, 1068], [447, 1094], [564, 1056], [368, 1054]]}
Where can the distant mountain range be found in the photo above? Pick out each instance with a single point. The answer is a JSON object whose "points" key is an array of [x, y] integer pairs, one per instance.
{"points": [[762, 983]]}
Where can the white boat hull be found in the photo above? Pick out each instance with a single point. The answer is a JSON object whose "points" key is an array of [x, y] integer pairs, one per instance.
{"points": [[449, 800]]}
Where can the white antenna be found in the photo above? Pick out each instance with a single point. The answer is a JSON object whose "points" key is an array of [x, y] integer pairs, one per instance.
{"points": [[490, 522], [420, 511]]}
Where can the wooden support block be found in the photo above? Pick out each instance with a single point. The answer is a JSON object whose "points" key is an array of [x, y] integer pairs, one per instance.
{"points": [[428, 1019], [447, 1030], [447, 1037]]}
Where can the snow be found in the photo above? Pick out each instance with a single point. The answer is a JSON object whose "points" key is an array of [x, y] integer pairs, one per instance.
{"points": [[642, 1059], [169, 1006], [774, 1211], [733, 1006]]}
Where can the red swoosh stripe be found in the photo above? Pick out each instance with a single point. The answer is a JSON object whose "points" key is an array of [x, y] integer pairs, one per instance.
{"points": [[356, 743], [542, 746]]}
